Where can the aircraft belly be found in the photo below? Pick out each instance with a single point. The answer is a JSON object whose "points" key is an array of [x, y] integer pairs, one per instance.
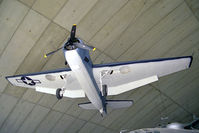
{"points": [[89, 89], [83, 77]]}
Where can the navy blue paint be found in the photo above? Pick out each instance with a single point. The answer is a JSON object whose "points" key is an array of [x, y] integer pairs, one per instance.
{"points": [[45, 72], [142, 61], [191, 61], [24, 78]]}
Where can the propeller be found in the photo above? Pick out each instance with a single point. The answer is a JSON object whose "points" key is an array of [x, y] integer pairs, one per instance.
{"points": [[84, 46], [72, 33], [48, 54], [72, 43]]}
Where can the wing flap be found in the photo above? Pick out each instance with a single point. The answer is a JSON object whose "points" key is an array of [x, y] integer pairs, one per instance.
{"points": [[115, 90], [46, 90], [74, 93], [67, 93]]}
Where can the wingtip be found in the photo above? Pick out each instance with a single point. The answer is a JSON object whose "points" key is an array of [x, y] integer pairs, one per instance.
{"points": [[8, 79], [191, 57]]}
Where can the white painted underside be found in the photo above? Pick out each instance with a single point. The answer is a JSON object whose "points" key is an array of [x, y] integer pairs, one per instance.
{"points": [[67, 93], [125, 77], [115, 90]]}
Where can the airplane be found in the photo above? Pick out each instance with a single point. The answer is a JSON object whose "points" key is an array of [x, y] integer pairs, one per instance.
{"points": [[161, 130], [192, 127], [97, 81]]}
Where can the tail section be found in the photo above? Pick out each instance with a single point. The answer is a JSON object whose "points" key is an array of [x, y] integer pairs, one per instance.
{"points": [[116, 104]]}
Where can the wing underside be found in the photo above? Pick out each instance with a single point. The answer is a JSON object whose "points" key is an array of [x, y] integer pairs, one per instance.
{"points": [[123, 77], [48, 82], [130, 75]]}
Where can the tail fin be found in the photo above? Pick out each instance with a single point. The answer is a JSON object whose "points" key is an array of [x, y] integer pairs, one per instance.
{"points": [[116, 104]]}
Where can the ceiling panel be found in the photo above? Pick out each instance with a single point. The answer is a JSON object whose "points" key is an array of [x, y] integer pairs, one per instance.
{"points": [[121, 30]]}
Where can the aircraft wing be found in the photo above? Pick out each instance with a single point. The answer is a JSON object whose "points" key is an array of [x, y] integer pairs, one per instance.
{"points": [[49, 81], [125, 76]]}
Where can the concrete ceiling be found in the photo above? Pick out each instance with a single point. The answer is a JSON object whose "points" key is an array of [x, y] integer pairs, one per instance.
{"points": [[121, 30]]}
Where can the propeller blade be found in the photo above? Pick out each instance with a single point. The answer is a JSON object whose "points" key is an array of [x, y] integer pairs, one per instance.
{"points": [[84, 46], [48, 54], [72, 33]]}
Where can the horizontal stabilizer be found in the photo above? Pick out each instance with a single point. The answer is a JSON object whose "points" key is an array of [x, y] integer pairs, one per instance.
{"points": [[87, 105], [116, 104]]}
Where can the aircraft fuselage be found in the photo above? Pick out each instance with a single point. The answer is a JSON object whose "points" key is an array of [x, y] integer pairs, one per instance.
{"points": [[81, 65]]}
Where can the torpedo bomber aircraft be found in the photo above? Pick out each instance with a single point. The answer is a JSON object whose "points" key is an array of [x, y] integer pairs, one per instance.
{"points": [[97, 81]]}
